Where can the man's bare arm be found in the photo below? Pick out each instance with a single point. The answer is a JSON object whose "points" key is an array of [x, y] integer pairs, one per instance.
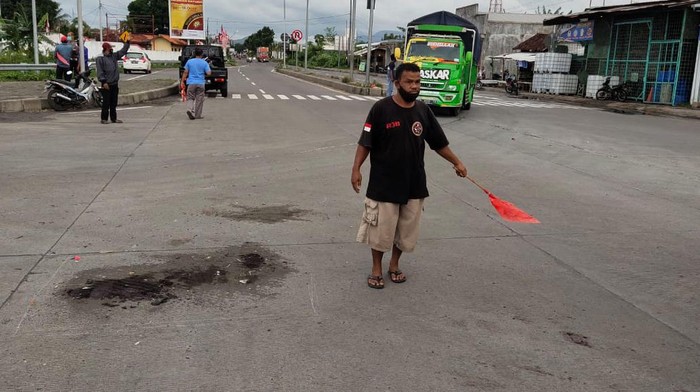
{"points": [[446, 152], [360, 156]]}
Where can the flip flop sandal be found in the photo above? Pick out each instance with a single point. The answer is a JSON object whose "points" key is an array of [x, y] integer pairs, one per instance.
{"points": [[378, 279], [394, 276]]}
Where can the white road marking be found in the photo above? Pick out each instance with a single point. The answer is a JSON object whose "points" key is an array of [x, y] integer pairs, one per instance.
{"points": [[252, 96], [493, 101], [373, 98], [344, 98], [262, 92], [268, 96], [357, 98], [140, 76], [283, 97], [299, 97], [328, 97], [247, 79], [253, 83], [314, 98], [100, 111], [236, 96]]}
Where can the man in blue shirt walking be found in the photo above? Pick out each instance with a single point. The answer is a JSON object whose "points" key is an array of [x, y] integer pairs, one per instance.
{"points": [[193, 77]]}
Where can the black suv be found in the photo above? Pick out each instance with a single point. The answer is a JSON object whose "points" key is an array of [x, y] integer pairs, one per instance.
{"points": [[218, 80]]}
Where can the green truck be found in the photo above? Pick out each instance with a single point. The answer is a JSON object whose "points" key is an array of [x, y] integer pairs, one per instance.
{"points": [[447, 48]]}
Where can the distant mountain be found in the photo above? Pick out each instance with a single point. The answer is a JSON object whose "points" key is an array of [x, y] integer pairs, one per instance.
{"points": [[378, 35]]}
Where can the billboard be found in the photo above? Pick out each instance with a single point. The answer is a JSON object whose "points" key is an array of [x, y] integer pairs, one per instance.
{"points": [[186, 19]]}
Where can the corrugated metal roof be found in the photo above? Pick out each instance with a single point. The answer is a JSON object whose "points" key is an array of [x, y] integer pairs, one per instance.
{"points": [[598, 12], [536, 43]]}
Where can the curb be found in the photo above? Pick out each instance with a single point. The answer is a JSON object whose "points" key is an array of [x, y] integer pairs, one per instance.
{"points": [[39, 104], [620, 107], [375, 92]]}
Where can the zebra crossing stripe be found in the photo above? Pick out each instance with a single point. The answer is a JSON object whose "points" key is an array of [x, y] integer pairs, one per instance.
{"points": [[373, 98], [357, 98], [328, 97], [283, 97], [299, 97], [315, 98], [344, 98], [252, 96], [268, 96], [236, 96]]}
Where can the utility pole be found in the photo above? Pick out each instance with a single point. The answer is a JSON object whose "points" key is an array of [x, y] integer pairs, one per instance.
{"points": [[81, 54], [370, 3], [351, 44], [36, 38], [284, 38], [306, 33], [99, 17]]}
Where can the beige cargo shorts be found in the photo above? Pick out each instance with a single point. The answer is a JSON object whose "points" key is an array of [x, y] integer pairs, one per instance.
{"points": [[386, 224]]}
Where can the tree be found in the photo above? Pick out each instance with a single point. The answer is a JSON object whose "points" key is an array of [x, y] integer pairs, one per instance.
{"points": [[263, 37], [320, 40], [391, 36], [239, 48], [549, 11], [329, 35], [18, 33], [72, 28], [51, 8], [144, 12]]}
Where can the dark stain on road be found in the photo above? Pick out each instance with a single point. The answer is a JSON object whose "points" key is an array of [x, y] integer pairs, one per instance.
{"points": [[243, 269], [179, 241], [266, 214], [577, 338]]}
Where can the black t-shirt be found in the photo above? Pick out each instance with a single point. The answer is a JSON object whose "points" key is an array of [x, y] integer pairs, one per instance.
{"points": [[396, 139]]}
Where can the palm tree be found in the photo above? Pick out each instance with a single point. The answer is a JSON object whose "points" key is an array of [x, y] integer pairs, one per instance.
{"points": [[17, 33]]}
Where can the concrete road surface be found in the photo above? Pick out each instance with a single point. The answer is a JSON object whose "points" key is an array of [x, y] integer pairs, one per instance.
{"points": [[165, 254]]}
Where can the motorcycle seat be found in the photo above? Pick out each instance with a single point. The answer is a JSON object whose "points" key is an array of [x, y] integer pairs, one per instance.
{"points": [[62, 81]]}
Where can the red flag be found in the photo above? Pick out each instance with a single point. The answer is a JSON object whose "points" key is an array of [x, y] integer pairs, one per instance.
{"points": [[506, 209]]}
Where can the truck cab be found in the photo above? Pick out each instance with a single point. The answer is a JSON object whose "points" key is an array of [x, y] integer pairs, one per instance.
{"points": [[444, 45]]}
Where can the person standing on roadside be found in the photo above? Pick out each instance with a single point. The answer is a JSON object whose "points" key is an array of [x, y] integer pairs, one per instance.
{"points": [[108, 76], [390, 76], [62, 54], [394, 137], [193, 78]]}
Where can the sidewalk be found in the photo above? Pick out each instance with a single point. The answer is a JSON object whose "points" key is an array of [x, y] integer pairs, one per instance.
{"points": [[333, 78], [30, 96]]}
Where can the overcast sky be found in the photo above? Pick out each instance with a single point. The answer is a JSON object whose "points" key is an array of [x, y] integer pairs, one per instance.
{"points": [[243, 17]]}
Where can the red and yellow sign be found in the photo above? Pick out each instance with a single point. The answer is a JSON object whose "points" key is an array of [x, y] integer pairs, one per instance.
{"points": [[186, 19]]}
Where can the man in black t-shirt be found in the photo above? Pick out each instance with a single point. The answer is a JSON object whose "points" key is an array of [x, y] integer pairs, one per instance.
{"points": [[394, 138]]}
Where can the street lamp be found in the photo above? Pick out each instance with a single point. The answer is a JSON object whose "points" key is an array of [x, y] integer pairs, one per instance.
{"points": [[369, 39]]}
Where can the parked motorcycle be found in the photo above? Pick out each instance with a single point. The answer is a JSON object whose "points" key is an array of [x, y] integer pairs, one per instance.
{"points": [[511, 85], [618, 92], [63, 95]]}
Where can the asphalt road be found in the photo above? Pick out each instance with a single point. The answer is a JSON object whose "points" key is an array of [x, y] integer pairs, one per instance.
{"points": [[601, 296]]}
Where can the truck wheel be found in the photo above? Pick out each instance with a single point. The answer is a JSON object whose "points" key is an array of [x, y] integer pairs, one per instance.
{"points": [[468, 106], [224, 92], [455, 111]]}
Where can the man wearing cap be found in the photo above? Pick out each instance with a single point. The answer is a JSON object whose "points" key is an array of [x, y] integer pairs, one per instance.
{"points": [[62, 54], [108, 75]]}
